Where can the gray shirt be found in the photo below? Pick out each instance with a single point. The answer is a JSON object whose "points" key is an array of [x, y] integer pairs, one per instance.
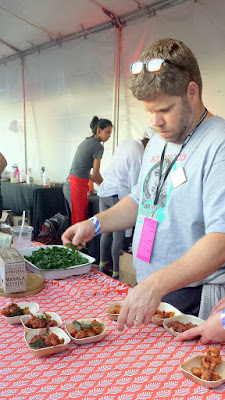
{"points": [[193, 209], [87, 151]]}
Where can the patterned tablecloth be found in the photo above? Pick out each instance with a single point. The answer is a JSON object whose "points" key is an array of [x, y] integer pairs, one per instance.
{"points": [[139, 363]]}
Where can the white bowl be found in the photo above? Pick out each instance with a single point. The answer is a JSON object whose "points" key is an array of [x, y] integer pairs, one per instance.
{"points": [[184, 318], [56, 273], [47, 350], [195, 361], [91, 339], [168, 308], [111, 316], [53, 316], [33, 307]]}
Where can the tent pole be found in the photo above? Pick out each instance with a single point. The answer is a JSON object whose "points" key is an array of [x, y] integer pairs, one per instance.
{"points": [[117, 87], [24, 115]]}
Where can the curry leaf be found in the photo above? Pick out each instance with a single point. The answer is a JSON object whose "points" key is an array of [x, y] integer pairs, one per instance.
{"points": [[56, 258]]}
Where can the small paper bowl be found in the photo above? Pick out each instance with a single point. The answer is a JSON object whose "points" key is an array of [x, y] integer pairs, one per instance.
{"points": [[168, 308], [91, 339], [111, 316], [33, 307], [195, 361], [53, 316], [47, 351], [184, 318]]}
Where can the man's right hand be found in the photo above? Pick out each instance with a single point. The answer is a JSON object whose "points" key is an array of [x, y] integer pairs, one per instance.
{"points": [[210, 331], [79, 234]]}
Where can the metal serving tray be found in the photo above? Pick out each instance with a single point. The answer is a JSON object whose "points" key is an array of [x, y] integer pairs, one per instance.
{"points": [[56, 273]]}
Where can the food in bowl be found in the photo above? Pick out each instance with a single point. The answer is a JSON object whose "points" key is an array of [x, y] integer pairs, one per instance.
{"points": [[81, 330], [208, 364], [180, 327], [163, 314], [13, 310], [115, 309], [19, 310], [55, 344], [45, 340], [41, 321]]}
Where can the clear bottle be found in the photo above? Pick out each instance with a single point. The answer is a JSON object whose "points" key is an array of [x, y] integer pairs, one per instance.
{"points": [[22, 176], [29, 176], [44, 177]]}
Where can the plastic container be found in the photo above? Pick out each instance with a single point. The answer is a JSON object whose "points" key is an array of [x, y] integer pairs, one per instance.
{"points": [[15, 174], [23, 241], [29, 176]]}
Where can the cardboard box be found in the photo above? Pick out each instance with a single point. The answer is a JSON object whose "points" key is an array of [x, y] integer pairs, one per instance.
{"points": [[6, 217], [17, 220], [127, 273], [12, 269]]}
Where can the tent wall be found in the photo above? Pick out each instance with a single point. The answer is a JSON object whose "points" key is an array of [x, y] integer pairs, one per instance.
{"points": [[69, 84]]}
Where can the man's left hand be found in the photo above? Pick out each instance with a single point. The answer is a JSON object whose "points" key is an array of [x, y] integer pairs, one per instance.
{"points": [[139, 306]]}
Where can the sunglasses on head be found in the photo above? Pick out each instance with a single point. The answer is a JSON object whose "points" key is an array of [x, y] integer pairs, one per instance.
{"points": [[152, 65]]}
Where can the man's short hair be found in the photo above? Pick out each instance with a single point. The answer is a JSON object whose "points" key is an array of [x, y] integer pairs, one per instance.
{"points": [[170, 80]]}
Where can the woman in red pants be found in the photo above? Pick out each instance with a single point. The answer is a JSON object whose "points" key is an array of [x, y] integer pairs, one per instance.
{"points": [[88, 155]]}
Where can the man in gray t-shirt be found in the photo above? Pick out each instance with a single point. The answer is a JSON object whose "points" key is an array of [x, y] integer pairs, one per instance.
{"points": [[178, 207]]}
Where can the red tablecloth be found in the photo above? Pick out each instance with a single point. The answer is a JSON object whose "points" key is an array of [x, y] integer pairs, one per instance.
{"points": [[139, 363]]}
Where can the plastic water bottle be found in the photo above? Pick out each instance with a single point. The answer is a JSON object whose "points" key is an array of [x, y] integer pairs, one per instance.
{"points": [[28, 176]]}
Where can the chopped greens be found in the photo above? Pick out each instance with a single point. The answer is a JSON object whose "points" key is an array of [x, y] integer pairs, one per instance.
{"points": [[14, 313], [44, 316], [38, 344], [56, 258], [78, 325], [73, 247]]}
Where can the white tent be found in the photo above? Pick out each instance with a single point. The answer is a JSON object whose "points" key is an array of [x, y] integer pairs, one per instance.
{"points": [[64, 61]]}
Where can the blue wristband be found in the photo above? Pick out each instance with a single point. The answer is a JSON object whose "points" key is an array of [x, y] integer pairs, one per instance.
{"points": [[96, 224], [223, 318]]}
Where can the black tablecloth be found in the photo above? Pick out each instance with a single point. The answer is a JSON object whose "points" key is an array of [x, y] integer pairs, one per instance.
{"points": [[42, 203]]}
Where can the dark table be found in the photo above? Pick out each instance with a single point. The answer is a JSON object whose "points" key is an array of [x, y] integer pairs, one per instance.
{"points": [[42, 203]]}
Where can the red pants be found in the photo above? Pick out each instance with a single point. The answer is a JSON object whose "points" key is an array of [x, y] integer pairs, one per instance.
{"points": [[79, 199]]}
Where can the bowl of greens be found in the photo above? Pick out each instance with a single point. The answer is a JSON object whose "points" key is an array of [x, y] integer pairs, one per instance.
{"points": [[55, 261]]}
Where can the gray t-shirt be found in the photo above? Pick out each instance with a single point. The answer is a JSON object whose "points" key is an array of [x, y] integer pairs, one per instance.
{"points": [[87, 151], [193, 209]]}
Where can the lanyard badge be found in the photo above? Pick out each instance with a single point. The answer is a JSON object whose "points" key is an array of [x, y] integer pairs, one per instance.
{"points": [[147, 239]]}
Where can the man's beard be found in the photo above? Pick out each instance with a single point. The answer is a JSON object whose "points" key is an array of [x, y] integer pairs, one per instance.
{"points": [[186, 123]]}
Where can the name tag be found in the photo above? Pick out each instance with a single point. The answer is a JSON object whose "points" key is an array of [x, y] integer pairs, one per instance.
{"points": [[147, 239], [178, 177]]}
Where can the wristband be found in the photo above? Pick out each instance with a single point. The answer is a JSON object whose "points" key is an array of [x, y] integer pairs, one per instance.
{"points": [[96, 224], [223, 318]]}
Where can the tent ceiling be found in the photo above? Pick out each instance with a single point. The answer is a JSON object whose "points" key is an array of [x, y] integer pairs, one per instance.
{"points": [[26, 25]]}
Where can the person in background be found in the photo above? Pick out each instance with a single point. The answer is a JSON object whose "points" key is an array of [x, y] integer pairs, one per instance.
{"points": [[3, 164], [88, 155], [178, 205], [212, 330], [119, 178]]}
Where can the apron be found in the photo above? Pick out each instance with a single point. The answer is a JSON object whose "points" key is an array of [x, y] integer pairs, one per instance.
{"points": [[79, 199]]}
